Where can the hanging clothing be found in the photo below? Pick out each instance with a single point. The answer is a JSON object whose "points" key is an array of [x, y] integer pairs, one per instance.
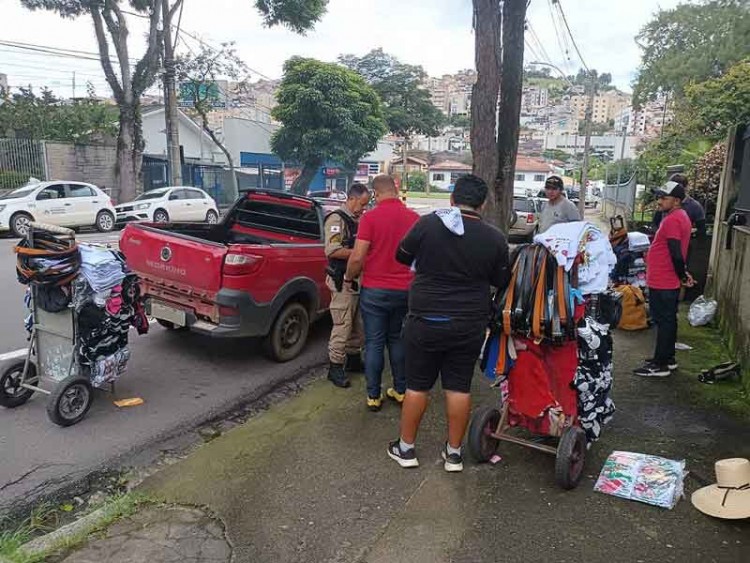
{"points": [[102, 268], [593, 378], [108, 369]]}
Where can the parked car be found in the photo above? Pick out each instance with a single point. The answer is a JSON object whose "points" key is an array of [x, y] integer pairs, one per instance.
{"points": [[173, 204], [327, 194], [63, 203], [259, 272], [527, 224]]}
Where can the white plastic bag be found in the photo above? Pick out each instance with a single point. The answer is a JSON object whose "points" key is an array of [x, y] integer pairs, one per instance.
{"points": [[702, 311]]}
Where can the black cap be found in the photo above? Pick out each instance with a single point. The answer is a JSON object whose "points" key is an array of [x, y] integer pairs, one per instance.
{"points": [[672, 189], [554, 182]]}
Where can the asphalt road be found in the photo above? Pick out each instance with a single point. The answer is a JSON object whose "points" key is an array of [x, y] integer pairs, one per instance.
{"points": [[183, 378]]}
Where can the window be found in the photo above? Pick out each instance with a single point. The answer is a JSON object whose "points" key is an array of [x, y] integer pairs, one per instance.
{"points": [[520, 177], [456, 175], [177, 194], [52, 192], [195, 194], [438, 177], [77, 190], [539, 177]]}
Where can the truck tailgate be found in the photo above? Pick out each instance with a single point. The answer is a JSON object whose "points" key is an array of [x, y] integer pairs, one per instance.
{"points": [[174, 259]]}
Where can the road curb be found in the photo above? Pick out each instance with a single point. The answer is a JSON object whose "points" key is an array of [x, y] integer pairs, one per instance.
{"points": [[83, 526]]}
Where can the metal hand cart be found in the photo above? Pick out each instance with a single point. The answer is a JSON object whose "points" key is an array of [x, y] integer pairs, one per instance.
{"points": [[51, 356], [489, 426]]}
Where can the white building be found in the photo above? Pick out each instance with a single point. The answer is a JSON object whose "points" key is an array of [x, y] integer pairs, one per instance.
{"points": [[447, 142], [196, 144], [612, 145], [530, 175], [444, 174]]}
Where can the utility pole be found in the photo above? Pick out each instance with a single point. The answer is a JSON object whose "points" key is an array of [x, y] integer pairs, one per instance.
{"points": [[622, 154], [74, 85], [586, 147], [404, 175], [170, 102]]}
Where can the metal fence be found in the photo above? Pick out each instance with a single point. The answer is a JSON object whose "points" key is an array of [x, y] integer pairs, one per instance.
{"points": [[619, 199], [21, 159]]}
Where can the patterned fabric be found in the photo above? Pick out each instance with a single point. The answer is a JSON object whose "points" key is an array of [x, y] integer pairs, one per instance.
{"points": [[108, 369], [593, 378]]}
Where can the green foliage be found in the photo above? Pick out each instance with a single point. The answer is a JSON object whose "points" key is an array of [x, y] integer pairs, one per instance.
{"points": [[557, 154], [459, 121], [326, 112], [691, 43], [298, 15], [673, 148], [407, 105], [44, 117], [417, 182], [715, 105]]}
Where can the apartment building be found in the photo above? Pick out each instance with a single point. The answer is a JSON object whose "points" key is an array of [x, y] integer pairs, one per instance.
{"points": [[607, 105]]}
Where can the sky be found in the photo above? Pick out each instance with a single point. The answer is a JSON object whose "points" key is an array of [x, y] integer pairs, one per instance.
{"points": [[436, 34]]}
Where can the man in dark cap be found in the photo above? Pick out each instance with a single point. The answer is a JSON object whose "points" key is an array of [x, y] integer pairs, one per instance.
{"points": [[665, 273], [558, 209]]}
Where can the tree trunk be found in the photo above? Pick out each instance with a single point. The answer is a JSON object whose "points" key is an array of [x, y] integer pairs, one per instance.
{"points": [[128, 164], [487, 22], [302, 182], [233, 193], [513, 20]]}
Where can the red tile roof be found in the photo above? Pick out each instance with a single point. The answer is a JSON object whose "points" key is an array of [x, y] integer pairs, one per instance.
{"points": [[526, 164], [451, 165]]}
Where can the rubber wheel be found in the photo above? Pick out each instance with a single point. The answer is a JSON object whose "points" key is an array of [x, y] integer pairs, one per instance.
{"points": [[288, 334], [70, 401], [19, 224], [161, 216], [212, 217], [105, 222], [170, 325], [12, 395], [482, 445], [571, 455]]}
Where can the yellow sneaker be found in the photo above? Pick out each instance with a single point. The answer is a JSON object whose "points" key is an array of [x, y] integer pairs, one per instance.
{"points": [[374, 404], [391, 393]]}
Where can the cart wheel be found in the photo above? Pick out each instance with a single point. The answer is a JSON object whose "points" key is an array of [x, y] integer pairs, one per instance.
{"points": [[12, 395], [70, 401], [571, 454], [482, 445]]}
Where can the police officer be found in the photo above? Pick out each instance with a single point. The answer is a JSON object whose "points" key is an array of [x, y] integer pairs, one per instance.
{"points": [[347, 336]]}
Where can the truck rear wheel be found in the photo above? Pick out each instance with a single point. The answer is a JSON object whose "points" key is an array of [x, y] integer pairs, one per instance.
{"points": [[288, 334]]}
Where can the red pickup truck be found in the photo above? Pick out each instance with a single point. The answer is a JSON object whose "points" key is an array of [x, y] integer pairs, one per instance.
{"points": [[259, 272]]}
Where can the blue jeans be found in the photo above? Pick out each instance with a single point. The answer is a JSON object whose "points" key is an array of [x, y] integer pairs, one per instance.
{"points": [[383, 312]]}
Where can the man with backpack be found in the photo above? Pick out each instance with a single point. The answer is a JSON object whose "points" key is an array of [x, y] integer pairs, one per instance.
{"points": [[345, 344]]}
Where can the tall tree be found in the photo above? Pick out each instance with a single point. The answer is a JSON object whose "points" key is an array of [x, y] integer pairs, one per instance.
{"points": [[198, 75], [128, 82], [691, 43], [298, 15], [407, 105], [327, 112], [484, 95], [511, 86]]}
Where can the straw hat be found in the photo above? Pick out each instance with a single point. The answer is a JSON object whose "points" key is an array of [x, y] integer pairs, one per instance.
{"points": [[730, 496]]}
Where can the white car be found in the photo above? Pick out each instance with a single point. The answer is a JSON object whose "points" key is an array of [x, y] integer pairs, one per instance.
{"points": [[170, 205], [62, 203]]}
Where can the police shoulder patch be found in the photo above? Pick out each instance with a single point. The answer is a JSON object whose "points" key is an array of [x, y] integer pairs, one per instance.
{"points": [[335, 229]]}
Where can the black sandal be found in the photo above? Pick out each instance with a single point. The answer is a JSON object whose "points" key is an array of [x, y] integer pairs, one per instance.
{"points": [[720, 372]]}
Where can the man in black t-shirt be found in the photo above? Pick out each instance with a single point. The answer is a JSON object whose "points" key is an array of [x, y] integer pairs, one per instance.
{"points": [[458, 258]]}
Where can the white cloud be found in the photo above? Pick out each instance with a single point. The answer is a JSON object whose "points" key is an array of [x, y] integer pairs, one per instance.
{"points": [[434, 33]]}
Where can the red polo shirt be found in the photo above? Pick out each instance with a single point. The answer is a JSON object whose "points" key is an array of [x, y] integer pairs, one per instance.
{"points": [[660, 272], [384, 227]]}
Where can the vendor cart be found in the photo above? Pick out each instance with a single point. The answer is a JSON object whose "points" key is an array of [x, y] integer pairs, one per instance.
{"points": [[51, 357]]}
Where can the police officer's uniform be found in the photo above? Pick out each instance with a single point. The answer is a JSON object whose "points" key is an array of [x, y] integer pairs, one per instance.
{"points": [[347, 335]]}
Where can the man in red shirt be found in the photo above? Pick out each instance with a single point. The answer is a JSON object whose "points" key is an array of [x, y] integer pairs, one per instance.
{"points": [[385, 288], [665, 273]]}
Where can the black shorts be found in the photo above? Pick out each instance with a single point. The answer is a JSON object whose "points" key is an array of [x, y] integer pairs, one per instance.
{"points": [[445, 348]]}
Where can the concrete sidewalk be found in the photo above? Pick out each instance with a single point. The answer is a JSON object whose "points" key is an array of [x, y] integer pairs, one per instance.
{"points": [[309, 481]]}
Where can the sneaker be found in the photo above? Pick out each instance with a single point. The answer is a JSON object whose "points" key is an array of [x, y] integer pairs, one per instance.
{"points": [[337, 376], [453, 462], [672, 364], [391, 393], [374, 404], [406, 458], [650, 369]]}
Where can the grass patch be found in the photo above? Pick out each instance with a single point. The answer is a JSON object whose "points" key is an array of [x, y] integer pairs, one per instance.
{"points": [[709, 349], [39, 522]]}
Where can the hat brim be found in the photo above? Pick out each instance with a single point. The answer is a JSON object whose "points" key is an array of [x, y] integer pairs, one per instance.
{"points": [[708, 500]]}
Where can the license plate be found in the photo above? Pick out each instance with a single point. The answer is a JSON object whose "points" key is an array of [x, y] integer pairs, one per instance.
{"points": [[166, 313]]}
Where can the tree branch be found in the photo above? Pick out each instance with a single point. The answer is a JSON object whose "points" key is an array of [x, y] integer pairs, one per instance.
{"points": [[145, 70], [109, 71]]}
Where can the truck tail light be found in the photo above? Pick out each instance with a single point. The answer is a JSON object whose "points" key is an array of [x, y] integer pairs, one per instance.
{"points": [[530, 218], [239, 264]]}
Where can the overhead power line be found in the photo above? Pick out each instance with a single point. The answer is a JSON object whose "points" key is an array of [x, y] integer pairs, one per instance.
{"points": [[572, 38]]}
